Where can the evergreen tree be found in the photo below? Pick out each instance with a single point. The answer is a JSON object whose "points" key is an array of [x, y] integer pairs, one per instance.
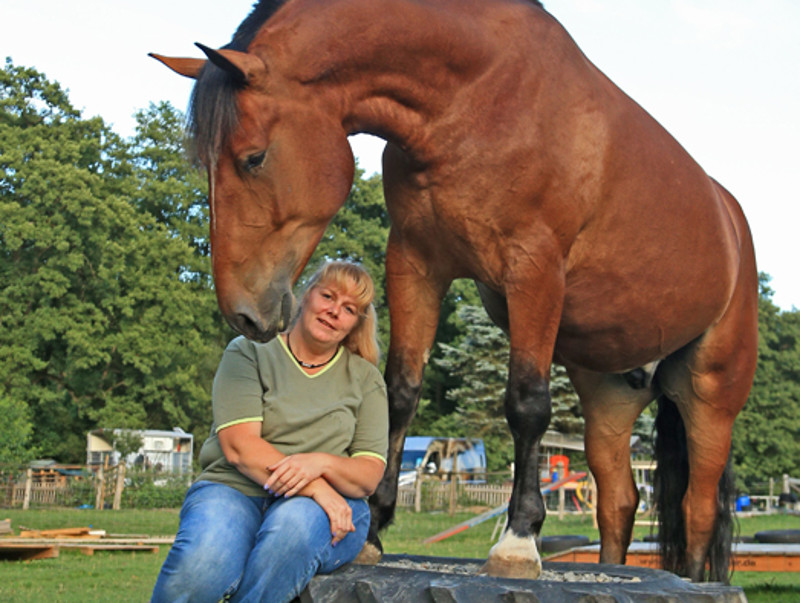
{"points": [[480, 363]]}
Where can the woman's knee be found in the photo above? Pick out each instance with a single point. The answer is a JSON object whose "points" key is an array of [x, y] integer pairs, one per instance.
{"points": [[217, 530], [300, 521]]}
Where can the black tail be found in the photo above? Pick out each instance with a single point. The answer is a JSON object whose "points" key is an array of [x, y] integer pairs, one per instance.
{"points": [[671, 481]]}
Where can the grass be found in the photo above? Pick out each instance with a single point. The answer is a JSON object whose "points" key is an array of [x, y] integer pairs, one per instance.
{"points": [[129, 576]]}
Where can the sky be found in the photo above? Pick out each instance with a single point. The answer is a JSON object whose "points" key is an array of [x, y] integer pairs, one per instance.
{"points": [[722, 76]]}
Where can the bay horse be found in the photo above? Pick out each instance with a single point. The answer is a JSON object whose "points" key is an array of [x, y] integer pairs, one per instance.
{"points": [[595, 239]]}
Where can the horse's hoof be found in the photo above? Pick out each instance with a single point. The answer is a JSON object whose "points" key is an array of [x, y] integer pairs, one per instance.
{"points": [[529, 569], [514, 557], [369, 555]]}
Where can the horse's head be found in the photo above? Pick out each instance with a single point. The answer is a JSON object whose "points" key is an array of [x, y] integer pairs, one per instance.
{"points": [[279, 168]]}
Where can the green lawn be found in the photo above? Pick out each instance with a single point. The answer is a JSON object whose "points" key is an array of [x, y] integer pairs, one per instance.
{"points": [[129, 576]]}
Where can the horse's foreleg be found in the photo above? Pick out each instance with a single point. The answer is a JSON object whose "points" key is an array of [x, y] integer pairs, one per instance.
{"points": [[610, 407], [533, 322], [414, 302], [528, 410]]}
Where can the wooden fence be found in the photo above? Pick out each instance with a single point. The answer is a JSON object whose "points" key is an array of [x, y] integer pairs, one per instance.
{"points": [[428, 494], [103, 489]]}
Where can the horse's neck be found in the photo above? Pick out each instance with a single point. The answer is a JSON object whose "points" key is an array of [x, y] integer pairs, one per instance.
{"points": [[395, 65]]}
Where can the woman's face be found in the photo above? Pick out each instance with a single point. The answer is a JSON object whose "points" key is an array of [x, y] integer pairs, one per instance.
{"points": [[329, 314]]}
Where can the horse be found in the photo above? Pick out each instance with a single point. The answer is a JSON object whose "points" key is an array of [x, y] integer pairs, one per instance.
{"points": [[595, 239]]}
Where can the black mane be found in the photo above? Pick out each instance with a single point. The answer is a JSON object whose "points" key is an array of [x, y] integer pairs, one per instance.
{"points": [[248, 28], [212, 108]]}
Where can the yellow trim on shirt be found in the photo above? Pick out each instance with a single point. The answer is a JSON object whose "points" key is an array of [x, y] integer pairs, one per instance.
{"points": [[240, 421], [374, 455]]}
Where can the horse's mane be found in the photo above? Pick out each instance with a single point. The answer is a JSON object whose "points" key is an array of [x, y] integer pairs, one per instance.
{"points": [[212, 108]]}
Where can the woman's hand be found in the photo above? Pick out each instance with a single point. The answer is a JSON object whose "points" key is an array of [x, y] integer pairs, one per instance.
{"points": [[335, 506], [292, 473]]}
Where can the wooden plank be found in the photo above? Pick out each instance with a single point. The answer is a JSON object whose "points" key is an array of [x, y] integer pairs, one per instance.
{"points": [[90, 549], [58, 533], [746, 557], [27, 552], [79, 542]]}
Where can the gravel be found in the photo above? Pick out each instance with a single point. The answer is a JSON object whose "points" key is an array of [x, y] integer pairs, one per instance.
{"points": [[473, 569]]}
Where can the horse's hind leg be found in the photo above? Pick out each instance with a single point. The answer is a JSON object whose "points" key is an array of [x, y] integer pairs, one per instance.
{"points": [[709, 381], [610, 407]]}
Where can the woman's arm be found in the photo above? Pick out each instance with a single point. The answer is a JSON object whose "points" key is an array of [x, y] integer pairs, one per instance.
{"points": [[244, 448], [354, 477]]}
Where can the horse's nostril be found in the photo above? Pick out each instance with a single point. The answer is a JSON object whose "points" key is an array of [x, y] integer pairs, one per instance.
{"points": [[245, 325], [254, 330]]}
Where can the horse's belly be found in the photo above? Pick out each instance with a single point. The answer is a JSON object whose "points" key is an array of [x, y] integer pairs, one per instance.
{"points": [[617, 329]]}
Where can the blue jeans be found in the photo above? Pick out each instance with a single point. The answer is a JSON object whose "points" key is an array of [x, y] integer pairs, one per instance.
{"points": [[250, 548]]}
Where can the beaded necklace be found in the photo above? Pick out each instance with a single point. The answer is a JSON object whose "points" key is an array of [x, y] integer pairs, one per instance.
{"points": [[306, 364]]}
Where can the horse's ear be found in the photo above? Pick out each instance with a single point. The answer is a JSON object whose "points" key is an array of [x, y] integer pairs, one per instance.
{"points": [[186, 67], [245, 67]]}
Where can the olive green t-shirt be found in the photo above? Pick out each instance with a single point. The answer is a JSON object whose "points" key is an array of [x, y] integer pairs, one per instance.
{"points": [[341, 410]]}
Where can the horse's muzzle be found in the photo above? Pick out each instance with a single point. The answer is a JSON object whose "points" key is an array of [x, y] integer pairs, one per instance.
{"points": [[264, 323]]}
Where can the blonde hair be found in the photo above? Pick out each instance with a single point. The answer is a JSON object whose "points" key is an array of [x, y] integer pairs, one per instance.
{"points": [[353, 279]]}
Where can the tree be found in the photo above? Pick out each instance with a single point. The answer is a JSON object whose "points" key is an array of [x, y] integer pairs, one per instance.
{"points": [[170, 188], [480, 363], [127, 442], [99, 326], [16, 430], [766, 435]]}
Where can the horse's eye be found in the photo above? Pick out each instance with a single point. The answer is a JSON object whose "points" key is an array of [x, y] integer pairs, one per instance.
{"points": [[254, 161]]}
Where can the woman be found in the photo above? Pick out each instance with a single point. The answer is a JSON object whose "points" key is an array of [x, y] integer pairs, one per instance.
{"points": [[299, 439]]}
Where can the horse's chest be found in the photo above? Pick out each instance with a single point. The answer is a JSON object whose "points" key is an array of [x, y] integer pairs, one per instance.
{"points": [[459, 233]]}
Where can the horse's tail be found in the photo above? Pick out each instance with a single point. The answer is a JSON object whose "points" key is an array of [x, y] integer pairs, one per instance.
{"points": [[671, 481]]}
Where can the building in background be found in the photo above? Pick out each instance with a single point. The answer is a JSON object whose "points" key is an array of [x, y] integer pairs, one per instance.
{"points": [[169, 451]]}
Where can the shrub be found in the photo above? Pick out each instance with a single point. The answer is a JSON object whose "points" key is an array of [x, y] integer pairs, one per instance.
{"points": [[151, 490]]}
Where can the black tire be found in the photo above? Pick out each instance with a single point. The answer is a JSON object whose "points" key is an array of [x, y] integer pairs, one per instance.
{"points": [[778, 536], [414, 579], [556, 544]]}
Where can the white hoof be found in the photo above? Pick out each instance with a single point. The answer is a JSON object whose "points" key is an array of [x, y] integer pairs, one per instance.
{"points": [[514, 557]]}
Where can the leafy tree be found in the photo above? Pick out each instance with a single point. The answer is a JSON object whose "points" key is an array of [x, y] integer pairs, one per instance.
{"points": [[126, 442], [766, 437], [16, 430], [98, 325], [170, 188]]}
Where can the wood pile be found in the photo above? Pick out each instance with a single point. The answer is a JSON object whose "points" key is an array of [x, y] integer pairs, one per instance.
{"points": [[44, 544]]}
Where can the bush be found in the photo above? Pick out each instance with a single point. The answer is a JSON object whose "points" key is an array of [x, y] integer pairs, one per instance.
{"points": [[151, 490]]}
